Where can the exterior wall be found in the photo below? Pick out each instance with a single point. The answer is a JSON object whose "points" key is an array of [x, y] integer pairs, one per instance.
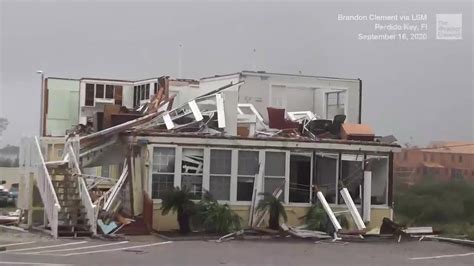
{"points": [[294, 213], [89, 111], [413, 164], [294, 209], [295, 92], [260, 90], [62, 111]]}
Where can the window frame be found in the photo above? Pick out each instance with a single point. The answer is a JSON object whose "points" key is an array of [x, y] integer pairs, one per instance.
{"points": [[230, 175], [177, 153], [338, 103]]}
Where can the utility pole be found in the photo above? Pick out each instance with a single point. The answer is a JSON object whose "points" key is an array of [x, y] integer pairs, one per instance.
{"points": [[180, 59], [41, 120]]}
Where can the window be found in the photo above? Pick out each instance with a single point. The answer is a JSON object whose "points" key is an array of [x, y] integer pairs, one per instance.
{"points": [[452, 158], [432, 157], [247, 169], [326, 175], [136, 96], [379, 168], [109, 91], [460, 158], [99, 91], [220, 169], [156, 88], [147, 91], [352, 174], [405, 156], [142, 92], [275, 163], [300, 178], [192, 164], [104, 171], [425, 157], [162, 171], [118, 95], [89, 95], [335, 102]]}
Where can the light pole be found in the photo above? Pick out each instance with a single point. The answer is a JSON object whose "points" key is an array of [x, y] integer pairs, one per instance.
{"points": [[41, 103]]}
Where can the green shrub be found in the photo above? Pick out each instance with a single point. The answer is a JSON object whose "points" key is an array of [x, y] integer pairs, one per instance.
{"points": [[275, 209], [213, 217]]}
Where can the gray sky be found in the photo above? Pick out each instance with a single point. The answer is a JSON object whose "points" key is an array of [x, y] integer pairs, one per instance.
{"points": [[416, 90]]}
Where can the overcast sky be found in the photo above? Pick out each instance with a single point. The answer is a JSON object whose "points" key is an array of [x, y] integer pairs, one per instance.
{"points": [[417, 90]]}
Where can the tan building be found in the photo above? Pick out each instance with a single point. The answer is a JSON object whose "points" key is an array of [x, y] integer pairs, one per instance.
{"points": [[442, 160]]}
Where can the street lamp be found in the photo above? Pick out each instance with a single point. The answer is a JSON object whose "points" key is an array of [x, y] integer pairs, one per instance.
{"points": [[40, 72]]}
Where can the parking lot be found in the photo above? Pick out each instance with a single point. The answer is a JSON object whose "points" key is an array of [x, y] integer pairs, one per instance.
{"points": [[153, 251]]}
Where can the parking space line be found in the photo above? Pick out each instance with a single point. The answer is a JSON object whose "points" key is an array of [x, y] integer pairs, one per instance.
{"points": [[69, 249], [117, 249], [31, 263], [443, 256], [52, 246], [17, 244]]}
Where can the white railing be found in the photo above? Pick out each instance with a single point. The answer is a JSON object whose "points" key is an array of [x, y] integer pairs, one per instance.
{"points": [[45, 186], [72, 149]]}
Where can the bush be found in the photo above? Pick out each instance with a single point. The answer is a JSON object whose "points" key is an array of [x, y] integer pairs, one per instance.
{"points": [[213, 217], [448, 206]]}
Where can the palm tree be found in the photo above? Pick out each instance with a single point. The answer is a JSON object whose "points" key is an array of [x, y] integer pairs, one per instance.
{"points": [[179, 201], [274, 207]]}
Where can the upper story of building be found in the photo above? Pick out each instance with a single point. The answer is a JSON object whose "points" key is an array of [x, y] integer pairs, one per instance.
{"points": [[69, 102]]}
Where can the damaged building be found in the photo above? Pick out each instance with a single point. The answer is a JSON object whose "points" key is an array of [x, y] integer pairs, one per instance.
{"points": [[111, 149]]}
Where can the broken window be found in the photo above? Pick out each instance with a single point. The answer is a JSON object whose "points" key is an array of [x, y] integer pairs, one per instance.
{"points": [[220, 169], [335, 102], [99, 91], [352, 175], [109, 91], [162, 171], [379, 168], [89, 95], [300, 178], [275, 163], [325, 177], [192, 164], [247, 169]]}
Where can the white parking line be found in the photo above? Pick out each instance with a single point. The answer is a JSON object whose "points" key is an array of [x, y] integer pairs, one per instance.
{"points": [[443, 256], [117, 249], [16, 244], [69, 249], [31, 263], [53, 246]]}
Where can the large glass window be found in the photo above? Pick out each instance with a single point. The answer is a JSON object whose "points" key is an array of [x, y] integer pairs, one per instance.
{"points": [[247, 169], [325, 178], [300, 178], [192, 165], [275, 164], [379, 168], [220, 170], [352, 175], [162, 171], [89, 94], [99, 91], [335, 102]]}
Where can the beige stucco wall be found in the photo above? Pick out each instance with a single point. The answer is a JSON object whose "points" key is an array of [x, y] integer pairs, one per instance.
{"points": [[294, 213]]}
